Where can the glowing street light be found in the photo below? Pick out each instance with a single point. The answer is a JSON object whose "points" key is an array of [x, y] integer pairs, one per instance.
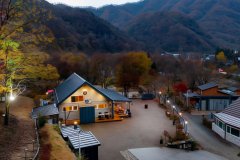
{"points": [[186, 126], [180, 114], [12, 98], [168, 101]]}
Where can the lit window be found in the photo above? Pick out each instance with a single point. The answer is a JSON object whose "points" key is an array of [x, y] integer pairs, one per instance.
{"points": [[76, 98], [70, 108], [102, 106]]}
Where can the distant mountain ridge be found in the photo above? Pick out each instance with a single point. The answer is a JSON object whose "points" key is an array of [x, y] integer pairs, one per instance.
{"points": [[77, 30], [163, 31], [219, 19]]}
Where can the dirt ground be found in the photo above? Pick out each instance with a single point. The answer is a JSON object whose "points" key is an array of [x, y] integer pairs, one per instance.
{"points": [[20, 133], [144, 129], [53, 146]]}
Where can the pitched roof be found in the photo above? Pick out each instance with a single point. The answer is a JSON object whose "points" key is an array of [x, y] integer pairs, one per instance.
{"points": [[87, 139], [231, 120], [190, 95], [68, 87], [74, 82], [233, 89], [233, 109], [111, 94], [45, 111], [207, 86], [226, 91]]}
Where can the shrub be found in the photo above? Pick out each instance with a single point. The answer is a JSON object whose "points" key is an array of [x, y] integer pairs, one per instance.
{"points": [[207, 123], [194, 145], [180, 135], [41, 122], [56, 128]]}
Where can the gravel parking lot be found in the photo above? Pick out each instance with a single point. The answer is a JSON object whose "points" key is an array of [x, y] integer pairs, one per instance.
{"points": [[142, 130]]}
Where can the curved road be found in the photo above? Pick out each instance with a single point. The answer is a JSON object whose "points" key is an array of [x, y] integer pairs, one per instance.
{"points": [[209, 140]]}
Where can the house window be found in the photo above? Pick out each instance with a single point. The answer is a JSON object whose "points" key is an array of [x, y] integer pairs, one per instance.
{"points": [[70, 108], [102, 106], [235, 132], [220, 124], [76, 98], [228, 129]]}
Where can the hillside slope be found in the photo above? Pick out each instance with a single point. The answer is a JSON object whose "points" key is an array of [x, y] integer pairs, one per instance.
{"points": [[76, 29], [219, 18], [170, 32]]}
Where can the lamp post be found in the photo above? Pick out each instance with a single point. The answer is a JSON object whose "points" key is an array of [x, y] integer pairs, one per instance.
{"points": [[173, 108], [160, 96], [187, 98], [7, 105], [186, 126], [79, 141]]}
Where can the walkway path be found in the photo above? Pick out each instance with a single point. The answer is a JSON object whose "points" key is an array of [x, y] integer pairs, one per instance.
{"points": [[19, 134]]}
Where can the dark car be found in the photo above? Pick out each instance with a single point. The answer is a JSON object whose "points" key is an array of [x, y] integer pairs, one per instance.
{"points": [[148, 96]]}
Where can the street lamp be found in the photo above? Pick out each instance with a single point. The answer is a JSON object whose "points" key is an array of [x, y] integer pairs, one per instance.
{"points": [[7, 103], [180, 114], [160, 96], [173, 108], [79, 141], [186, 125], [187, 98]]}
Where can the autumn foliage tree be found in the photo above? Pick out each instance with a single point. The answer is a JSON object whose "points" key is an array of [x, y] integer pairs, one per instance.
{"points": [[20, 57], [132, 70]]}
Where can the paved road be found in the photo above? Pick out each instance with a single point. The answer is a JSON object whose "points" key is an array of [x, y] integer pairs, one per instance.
{"points": [[209, 140], [142, 130]]}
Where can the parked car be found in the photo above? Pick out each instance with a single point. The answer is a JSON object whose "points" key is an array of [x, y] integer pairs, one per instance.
{"points": [[148, 96]]}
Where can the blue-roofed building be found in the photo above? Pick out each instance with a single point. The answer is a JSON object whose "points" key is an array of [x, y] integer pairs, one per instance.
{"points": [[80, 101], [209, 97]]}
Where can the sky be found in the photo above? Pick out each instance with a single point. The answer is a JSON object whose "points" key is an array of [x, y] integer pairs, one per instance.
{"points": [[93, 3]]}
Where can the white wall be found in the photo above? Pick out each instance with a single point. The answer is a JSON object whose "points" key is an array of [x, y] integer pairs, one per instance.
{"points": [[233, 139], [92, 95], [229, 137], [218, 130]]}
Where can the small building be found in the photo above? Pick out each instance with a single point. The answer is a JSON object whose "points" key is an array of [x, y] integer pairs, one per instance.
{"points": [[80, 101], [209, 97], [227, 123], [84, 140], [49, 112]]}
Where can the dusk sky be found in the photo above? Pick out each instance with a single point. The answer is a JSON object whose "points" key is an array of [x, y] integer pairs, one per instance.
{"points": [[93, 3]]}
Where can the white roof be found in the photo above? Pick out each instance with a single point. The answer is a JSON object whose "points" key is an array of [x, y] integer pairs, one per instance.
{"points": [[87, 139], [66, 131], [228, 119]]}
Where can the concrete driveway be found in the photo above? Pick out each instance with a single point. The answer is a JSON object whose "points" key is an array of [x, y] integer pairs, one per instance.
{"points": [[142, 130], [209, 140]]}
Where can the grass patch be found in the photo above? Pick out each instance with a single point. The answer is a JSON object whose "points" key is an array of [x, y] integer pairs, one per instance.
{"points": [[57, 147]]}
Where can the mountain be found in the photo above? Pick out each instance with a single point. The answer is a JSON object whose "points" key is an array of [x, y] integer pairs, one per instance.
{"points": [[218, 18], [169, 32], [76, 29]]}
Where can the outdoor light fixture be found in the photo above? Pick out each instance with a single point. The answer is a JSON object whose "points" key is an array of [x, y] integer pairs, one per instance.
{"points": [[160, 92], [186, 122], [180, 114], [168, 101], [12, 98], [75, 124], [173, 107]]}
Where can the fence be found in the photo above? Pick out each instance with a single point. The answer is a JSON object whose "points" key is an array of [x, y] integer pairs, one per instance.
{"points": [[38, 143]]}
